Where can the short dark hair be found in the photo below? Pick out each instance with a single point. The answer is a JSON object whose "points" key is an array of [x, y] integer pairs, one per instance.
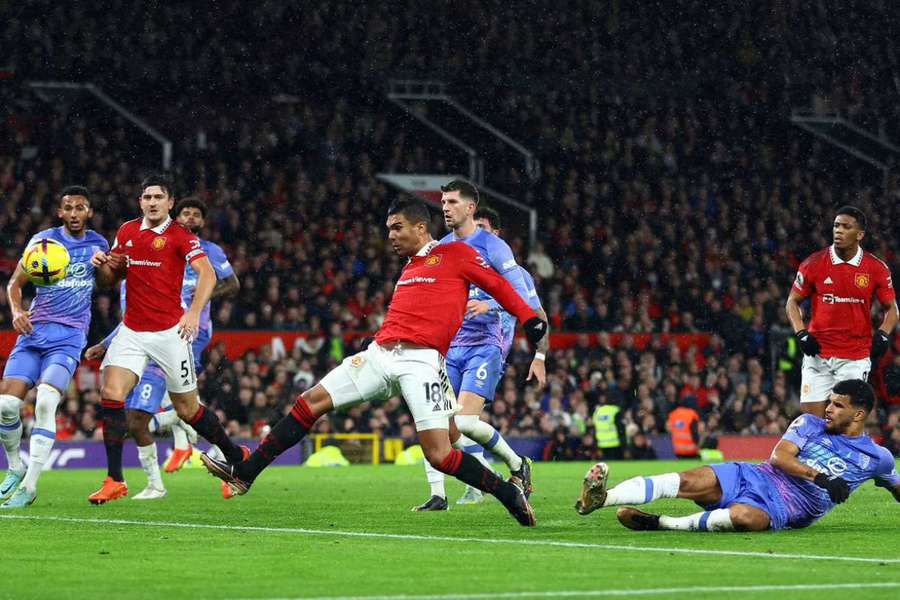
{"points": [[160, 180], [75, 190], [860, 392], [465, 189], [191, 202], [852, 211], [415, 211], [490, 215]]}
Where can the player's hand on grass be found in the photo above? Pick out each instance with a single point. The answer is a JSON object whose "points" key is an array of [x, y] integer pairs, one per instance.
{"points": [[535, 329], [22, 322], [188, 326], [880, 344], [808, 344], [538, 370], [95, 352], [838, 489], [475, 308]]}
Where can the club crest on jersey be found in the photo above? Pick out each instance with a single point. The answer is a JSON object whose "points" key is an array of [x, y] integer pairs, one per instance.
{"points": [[432, 260], [158, 243], [357, 361], [861, 280]]}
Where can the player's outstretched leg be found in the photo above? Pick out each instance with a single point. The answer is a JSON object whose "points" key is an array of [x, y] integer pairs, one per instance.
{"points": [[11, 436], [286, 433], [42, 437], [438, 498], [115, 428], [637, 490]]}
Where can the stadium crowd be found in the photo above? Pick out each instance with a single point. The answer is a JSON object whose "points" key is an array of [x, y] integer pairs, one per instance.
{"points": [[685, 214]]}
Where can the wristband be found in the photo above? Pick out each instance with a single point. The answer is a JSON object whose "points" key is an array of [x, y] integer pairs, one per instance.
{"points": [[540, 356]]}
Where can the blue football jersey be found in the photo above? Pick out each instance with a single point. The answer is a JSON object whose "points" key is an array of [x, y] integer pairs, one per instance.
{"points": [[223, 270], [485, 329], [508, 321], [69, 301], [855, 459]]}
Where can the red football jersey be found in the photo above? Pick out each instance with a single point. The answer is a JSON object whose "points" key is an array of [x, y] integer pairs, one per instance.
{"points": [[156, 260], [842, 295], [431, 294]]}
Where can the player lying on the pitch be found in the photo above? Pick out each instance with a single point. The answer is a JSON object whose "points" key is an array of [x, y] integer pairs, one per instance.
{"points": [[816, 465]]}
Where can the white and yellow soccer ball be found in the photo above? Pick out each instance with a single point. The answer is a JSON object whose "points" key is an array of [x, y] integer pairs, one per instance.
{"points": [[45, 262]]}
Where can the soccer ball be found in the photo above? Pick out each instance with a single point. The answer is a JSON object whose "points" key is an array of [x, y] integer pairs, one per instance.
{"points": [[45, 262]]}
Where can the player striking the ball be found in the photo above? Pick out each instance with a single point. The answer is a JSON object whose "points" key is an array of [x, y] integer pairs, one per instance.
{"points": [[407, 358], [153, 252], [816, 465], [841, 281], [52, 335]]}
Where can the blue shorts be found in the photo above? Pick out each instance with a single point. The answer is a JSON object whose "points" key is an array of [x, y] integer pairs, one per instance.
{"points": [[475, 369], [744, 483], [150, 391], [50, 354]]}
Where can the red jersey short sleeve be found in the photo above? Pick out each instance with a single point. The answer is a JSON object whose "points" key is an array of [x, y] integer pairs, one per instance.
{"points": [[841, 294], [156, 261]]}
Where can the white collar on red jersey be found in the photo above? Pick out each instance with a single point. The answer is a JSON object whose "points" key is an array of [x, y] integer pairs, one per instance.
{"points": [[427, 248], [159, 228], [855, 261]]}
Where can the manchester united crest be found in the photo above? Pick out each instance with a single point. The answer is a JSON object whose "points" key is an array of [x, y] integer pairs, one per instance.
{"points": [[432, 260], [357, 361], [861, 280], [158, 243]]}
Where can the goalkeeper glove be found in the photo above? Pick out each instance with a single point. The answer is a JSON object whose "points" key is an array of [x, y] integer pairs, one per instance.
{"points": [[535, 329], [837, 488], [808, 343]]}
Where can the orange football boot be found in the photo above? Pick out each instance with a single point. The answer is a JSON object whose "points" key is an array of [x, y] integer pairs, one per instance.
{"points": [[178, 458], [111, 490]]}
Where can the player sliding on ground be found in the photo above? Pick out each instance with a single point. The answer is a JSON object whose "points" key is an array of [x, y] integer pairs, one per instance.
{"points": [[407, 358], [816, 465]]}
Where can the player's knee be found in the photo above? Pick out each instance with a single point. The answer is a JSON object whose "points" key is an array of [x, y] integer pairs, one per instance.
{"points": [[746, 518], [9, 409], [109, 391], [466, 423]]}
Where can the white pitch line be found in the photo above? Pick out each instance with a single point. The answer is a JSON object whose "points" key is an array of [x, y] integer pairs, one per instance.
{"points": [[621, 592], [467, 540]]}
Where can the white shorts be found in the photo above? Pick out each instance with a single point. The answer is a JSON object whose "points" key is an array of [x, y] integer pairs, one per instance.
{"points": [[132, 350], [820, 375], [379, 373]]}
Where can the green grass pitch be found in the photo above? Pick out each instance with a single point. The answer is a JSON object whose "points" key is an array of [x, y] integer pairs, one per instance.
{"points": [[348, 532]]}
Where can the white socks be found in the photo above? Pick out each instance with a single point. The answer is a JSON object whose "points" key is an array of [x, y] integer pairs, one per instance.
{"points": [[43, 435], [163, 420], [11, 430], [640, 490], [150, 464], [482, 433], [435, 480], [713, 520]]}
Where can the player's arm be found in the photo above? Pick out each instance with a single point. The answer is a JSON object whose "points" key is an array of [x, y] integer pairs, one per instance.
{"points": [[476, 270], [226, 288], [884, 291], [20, 318], [808, 344], [784, 457], [538, 367], [206, 282], [109, 267]]}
